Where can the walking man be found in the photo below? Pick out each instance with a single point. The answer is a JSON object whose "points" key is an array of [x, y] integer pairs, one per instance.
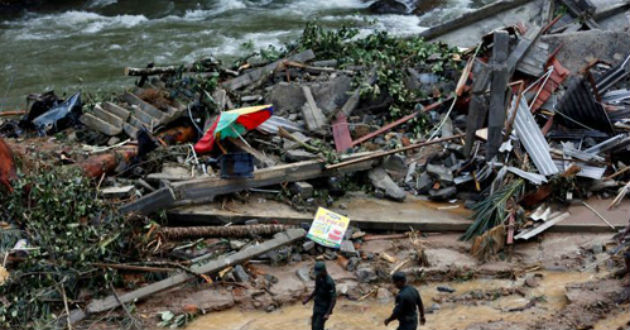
{"points": [[325, 297], [406, 301]]}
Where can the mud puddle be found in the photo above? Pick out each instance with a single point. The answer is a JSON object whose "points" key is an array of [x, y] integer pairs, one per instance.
{"points": [[370, 313]]}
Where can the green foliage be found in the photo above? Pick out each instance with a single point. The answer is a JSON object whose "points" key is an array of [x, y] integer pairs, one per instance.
{"points": [[390, 56], [66, 227], [491, 212]]}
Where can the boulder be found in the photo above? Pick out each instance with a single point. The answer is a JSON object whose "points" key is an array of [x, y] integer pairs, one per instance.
{"points": [[389, 7]]}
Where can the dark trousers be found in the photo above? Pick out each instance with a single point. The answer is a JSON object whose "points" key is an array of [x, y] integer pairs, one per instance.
{"points": [[407, 325], [317, 322]]}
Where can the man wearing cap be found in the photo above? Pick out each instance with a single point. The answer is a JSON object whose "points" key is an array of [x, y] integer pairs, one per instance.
{"points": [[406, 301], [325, 296]]}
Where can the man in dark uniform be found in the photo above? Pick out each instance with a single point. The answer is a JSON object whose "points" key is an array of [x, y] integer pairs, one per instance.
{"points": [[325, 297], [406, 301]]}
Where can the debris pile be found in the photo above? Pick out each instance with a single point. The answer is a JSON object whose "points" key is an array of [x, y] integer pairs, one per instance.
{"points": [[512, 128]]}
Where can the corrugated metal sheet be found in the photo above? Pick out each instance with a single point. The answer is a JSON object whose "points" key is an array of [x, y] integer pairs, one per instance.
{"points": [[578, 108], [271, 125], [532, 138], [534, 178], [586, 171]]}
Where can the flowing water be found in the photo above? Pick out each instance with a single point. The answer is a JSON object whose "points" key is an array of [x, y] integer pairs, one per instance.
{"points": [[369, 314], [85, 44]]}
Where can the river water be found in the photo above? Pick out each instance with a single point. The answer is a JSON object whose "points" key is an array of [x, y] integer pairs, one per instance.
{"points": [[84, 45]]}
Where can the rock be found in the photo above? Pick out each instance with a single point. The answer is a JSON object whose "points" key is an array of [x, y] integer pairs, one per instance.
{"points": [[237, 244], [381, 180], [433, 308], [442, 194], [383, 295], [240, 274], [296, 257], [299, 155], [597, 248], [366, 274], [353, 263], [330, 255], [446, 289], [442, 172], [304, 274], [424, 183], [389, 7], [329, 95], [305, 189], [357, 234], [347, 248], [396, 167], [308, 245]]}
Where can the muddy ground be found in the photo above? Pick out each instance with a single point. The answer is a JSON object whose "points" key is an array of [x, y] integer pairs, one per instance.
{"points": [[560, 281]]}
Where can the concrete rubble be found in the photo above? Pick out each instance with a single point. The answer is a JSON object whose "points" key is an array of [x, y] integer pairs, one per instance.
{"points": [[533, 122]]}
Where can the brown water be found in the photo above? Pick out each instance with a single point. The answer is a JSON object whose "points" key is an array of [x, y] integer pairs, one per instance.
{"points": [[369, 314]]}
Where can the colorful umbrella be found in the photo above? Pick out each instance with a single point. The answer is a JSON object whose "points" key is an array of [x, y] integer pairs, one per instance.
{"points": [[233, 123]]}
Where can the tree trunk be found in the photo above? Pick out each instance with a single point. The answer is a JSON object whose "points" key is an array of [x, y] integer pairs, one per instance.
{"points": [[239, 231]]}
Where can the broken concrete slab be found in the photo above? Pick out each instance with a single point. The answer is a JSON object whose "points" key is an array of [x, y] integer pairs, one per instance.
{"points": [[305, 189], [298, 155], [313, 116], [381, 180], [466, 30], [580, 48]]}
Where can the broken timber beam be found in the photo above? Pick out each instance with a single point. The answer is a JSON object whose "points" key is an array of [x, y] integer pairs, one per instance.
{"points": [[205, 189], [498, 87], [110, 302]]}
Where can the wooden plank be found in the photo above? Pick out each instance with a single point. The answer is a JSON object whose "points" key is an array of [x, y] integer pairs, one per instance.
{"points": [[341, 133], [159, 199], [205, 189], [110, 302], [208, 188], [313, 115]]}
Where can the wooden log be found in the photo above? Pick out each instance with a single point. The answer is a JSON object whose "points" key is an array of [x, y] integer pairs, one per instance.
{"points": [[110, 302], [237, 231], [131, 71]]}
